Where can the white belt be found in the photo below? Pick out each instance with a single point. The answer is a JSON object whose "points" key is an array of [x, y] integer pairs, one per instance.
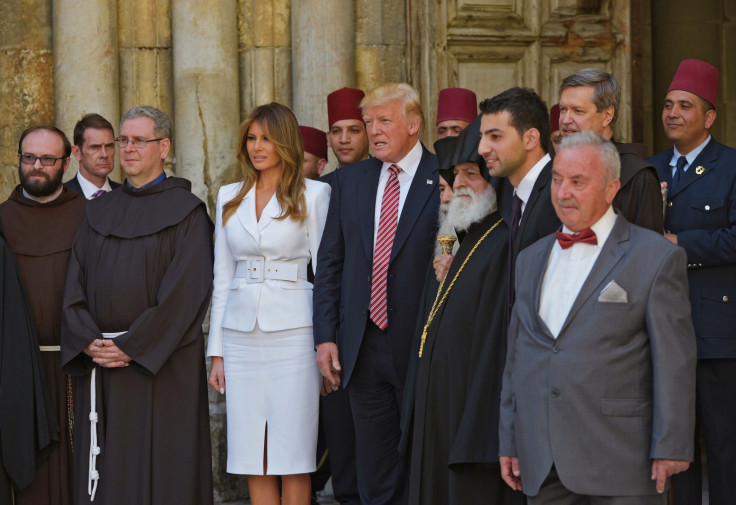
{"points": [[257, 268], [94, 449], [49, 348]]}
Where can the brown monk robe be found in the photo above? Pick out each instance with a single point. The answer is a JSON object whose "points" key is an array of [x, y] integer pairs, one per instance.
{"points": [[41, 236], [142, 264]]}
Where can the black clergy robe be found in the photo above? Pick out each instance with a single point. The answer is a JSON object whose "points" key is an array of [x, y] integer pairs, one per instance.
{"points": [[28, 424], [41, 237], [452, 434], [142, 263]]}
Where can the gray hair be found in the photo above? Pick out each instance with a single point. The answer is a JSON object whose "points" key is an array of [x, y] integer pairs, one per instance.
{"points": [[162, 125], [606, 89], [609, 154]]}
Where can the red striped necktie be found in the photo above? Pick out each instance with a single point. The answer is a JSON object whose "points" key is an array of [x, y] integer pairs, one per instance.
{"points": [[387, 225]]}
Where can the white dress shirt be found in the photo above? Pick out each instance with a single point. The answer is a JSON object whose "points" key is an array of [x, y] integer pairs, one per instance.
{"points": [[524, 191], [408, 166], [567, 270], [90, 189]]}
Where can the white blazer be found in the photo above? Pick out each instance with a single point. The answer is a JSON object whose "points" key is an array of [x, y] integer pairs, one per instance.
{"points": [[260, 270]]}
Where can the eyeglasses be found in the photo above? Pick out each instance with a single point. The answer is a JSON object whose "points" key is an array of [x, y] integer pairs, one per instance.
{"points": [[47, 161], [137, 142]]}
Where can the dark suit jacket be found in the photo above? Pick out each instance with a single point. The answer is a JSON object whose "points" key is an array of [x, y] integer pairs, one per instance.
{"points": [[73, 184], [701, 211], [342, 284], [617, 387]]}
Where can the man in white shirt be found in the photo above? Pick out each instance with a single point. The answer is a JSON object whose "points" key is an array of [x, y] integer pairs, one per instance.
{"points": [[94, 149], [598, 397]]}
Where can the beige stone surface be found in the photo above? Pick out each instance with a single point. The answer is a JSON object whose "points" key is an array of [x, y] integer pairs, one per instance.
{"points": [[145, 58], [26, 79], [264, 53], [206, 94], [88, 81], [315, 26]]}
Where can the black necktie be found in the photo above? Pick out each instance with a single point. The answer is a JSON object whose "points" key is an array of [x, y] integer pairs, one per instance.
{"points": [[679, 173]]}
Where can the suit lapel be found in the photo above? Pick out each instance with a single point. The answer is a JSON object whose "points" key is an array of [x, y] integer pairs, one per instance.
{"points": [[540, 267], [247, 214], [271, 211], [612, 252], [534, 199], [367, 204], [423, 185], [700, 168]]}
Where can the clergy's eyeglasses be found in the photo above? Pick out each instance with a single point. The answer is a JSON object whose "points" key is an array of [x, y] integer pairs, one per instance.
{"points": [[137, 142], [47, 161]]}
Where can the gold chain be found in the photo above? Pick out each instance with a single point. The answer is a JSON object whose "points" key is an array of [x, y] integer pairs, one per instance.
{"points": [[436, 306]]}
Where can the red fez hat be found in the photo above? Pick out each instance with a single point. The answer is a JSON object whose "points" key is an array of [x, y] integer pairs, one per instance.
{"points": [[456, 103], [697, 77], [554, 118], [344, 104], [315, 141]]}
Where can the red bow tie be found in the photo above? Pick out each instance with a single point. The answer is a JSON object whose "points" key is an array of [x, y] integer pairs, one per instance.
{"points": [[587, 236]]}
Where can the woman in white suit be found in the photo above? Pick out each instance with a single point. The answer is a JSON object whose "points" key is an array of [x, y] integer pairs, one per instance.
{"points": [[268, 228]]}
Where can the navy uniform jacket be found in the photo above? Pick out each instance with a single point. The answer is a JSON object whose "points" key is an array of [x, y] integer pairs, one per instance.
{"points": [[701, 211], [342, 284]]}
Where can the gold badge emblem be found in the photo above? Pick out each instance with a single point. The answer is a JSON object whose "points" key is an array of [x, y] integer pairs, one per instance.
{"points": [[700, 170]]}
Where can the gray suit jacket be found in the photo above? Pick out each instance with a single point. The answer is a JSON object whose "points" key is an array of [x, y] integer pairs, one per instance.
{"points": [[617, 387]]}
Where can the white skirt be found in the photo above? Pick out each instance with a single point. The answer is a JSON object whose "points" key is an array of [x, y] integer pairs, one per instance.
{"points": [[271, 379]]}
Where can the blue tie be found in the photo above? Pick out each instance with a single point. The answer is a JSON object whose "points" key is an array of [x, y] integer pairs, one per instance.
{"points": [[679, 173]]}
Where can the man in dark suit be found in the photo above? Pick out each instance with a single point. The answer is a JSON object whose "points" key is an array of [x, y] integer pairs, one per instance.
{"points": [[701, 218], [94, 149], [598, 395], [514, 143], [376, 248], [590, 100]]}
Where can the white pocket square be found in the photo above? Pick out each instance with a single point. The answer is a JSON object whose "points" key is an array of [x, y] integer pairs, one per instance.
{"points": [[613, 293]]}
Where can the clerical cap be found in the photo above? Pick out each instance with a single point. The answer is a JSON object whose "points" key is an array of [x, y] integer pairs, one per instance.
{"points": [[554, 118], [697, 77], [444, 149], [315, 141], [466, 150], [344, 104], [456, 103]]}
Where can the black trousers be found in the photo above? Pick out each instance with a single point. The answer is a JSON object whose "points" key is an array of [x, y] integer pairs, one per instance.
{"points": [[375, 398], [336, 420], [716, 416]]}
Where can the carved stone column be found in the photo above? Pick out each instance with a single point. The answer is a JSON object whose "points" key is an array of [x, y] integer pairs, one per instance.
{"points": [[206, 94], [381, 34], [317, 25], [85, 63], [264, 53], [144, 38], [26, 78]]}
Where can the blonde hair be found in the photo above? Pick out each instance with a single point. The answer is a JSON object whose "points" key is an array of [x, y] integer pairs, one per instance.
{"points": [[401, 92], [283, 131]]}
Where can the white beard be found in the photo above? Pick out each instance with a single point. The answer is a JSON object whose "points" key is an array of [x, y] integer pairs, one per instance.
{"points": [[464, 212]]}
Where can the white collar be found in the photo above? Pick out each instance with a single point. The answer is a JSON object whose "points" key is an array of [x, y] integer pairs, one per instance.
{"points": [[410, 162], [89, 189], [602, 227], [524, 190]]}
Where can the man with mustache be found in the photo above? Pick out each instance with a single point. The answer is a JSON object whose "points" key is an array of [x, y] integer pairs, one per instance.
{"points": [[589, 100], [700, 217], [94, 149], [41, 218], [598, 392]]}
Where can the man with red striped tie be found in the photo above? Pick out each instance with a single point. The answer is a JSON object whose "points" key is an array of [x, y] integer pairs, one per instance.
{"points": [[376, 248]]}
